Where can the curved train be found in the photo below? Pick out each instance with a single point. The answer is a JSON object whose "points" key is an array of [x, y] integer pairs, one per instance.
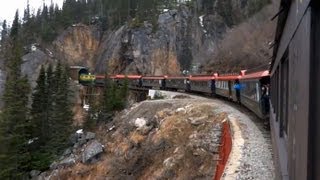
{"points": [[252, 87]]}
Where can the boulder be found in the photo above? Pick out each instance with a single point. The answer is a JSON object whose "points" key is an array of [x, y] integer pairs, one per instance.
{"points": [[69, 161], [90, 135], [67, 152], [198, 120], [34, 173], [91, 151], [66, 162]]}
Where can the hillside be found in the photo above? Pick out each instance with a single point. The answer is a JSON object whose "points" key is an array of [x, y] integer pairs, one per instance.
{"points": [[200, 36], [158, 37]]}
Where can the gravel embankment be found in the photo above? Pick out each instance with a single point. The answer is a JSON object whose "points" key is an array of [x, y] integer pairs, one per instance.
{"points": [[251, 155]]}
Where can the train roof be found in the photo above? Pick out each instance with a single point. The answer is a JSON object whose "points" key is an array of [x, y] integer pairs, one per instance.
{"points": [[103, 76], [228, 77], [122, 76], [153, 77], [176, 77], [201, 77], [255, 75]]}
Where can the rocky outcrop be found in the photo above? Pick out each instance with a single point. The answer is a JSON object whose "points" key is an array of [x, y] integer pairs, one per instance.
{"points": [[91, 151], [32, 63], [181, 39], [77, 45]]}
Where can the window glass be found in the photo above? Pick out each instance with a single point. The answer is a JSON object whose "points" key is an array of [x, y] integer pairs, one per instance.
{"points": [[250, 89]]}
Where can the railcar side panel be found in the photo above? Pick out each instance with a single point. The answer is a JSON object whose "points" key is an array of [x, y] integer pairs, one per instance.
{"points": [[152, 83], [299, 49], [314, 130], [251, 96], [201, 86], [176, 84], [290, 102], [224, 88]]}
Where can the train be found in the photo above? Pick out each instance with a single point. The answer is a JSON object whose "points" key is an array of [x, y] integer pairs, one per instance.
{"points": [[252, 92], [295, 98]]}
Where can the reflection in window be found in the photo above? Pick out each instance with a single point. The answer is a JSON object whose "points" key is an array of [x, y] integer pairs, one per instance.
{"points": [[251, 90]]}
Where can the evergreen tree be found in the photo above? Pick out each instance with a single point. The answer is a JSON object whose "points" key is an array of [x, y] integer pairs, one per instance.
{"points": [[114, 98], [61, 121], [14, 125], [40, 121], [106, 101], [4, 32], [39, 108], [26, 16]]}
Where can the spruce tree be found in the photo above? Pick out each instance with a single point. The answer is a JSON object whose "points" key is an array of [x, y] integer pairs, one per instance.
{"points": [[39, 115], [14, 125], [61, 117], [39, 108], [4, 33]]}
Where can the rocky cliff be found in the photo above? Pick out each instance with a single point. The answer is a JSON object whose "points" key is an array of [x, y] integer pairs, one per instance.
{"points": [[78, 45], [181, 39]]}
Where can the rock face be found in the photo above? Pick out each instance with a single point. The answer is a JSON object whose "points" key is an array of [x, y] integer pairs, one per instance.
{"points": [[32, 64], [91, 151], [181, 39], [77, 45], [167, 48]]}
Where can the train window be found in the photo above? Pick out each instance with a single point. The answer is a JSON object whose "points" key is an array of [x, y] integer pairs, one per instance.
{"points": [[284, 96], [258, 91], [251, 89], [276, 102]]}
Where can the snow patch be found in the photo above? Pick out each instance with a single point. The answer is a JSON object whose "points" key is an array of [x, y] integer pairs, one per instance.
{"points": [[201, 20], [80, 131], [183, 110], [30, 141], [140, 122], [112, 127]]}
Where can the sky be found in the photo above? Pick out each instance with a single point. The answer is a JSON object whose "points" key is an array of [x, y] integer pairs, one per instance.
{"points": [[9, 7]]}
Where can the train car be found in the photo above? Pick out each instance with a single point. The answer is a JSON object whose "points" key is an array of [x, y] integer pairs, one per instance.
{"points": [[154, 82], [86, 79], [100, 79], [295, 90], [201, 83], [224, 85], [133, 80], [254, 92], [176, 83]]}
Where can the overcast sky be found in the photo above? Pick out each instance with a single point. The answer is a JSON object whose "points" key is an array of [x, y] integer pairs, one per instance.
{"points": [[9, 7]]}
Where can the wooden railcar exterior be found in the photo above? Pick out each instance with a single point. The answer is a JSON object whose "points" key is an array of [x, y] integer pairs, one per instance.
{"points": [[295, 97], [132, 80], [157, 82], [224, 86], [251, 93], [202, 83], [175, 83]]}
